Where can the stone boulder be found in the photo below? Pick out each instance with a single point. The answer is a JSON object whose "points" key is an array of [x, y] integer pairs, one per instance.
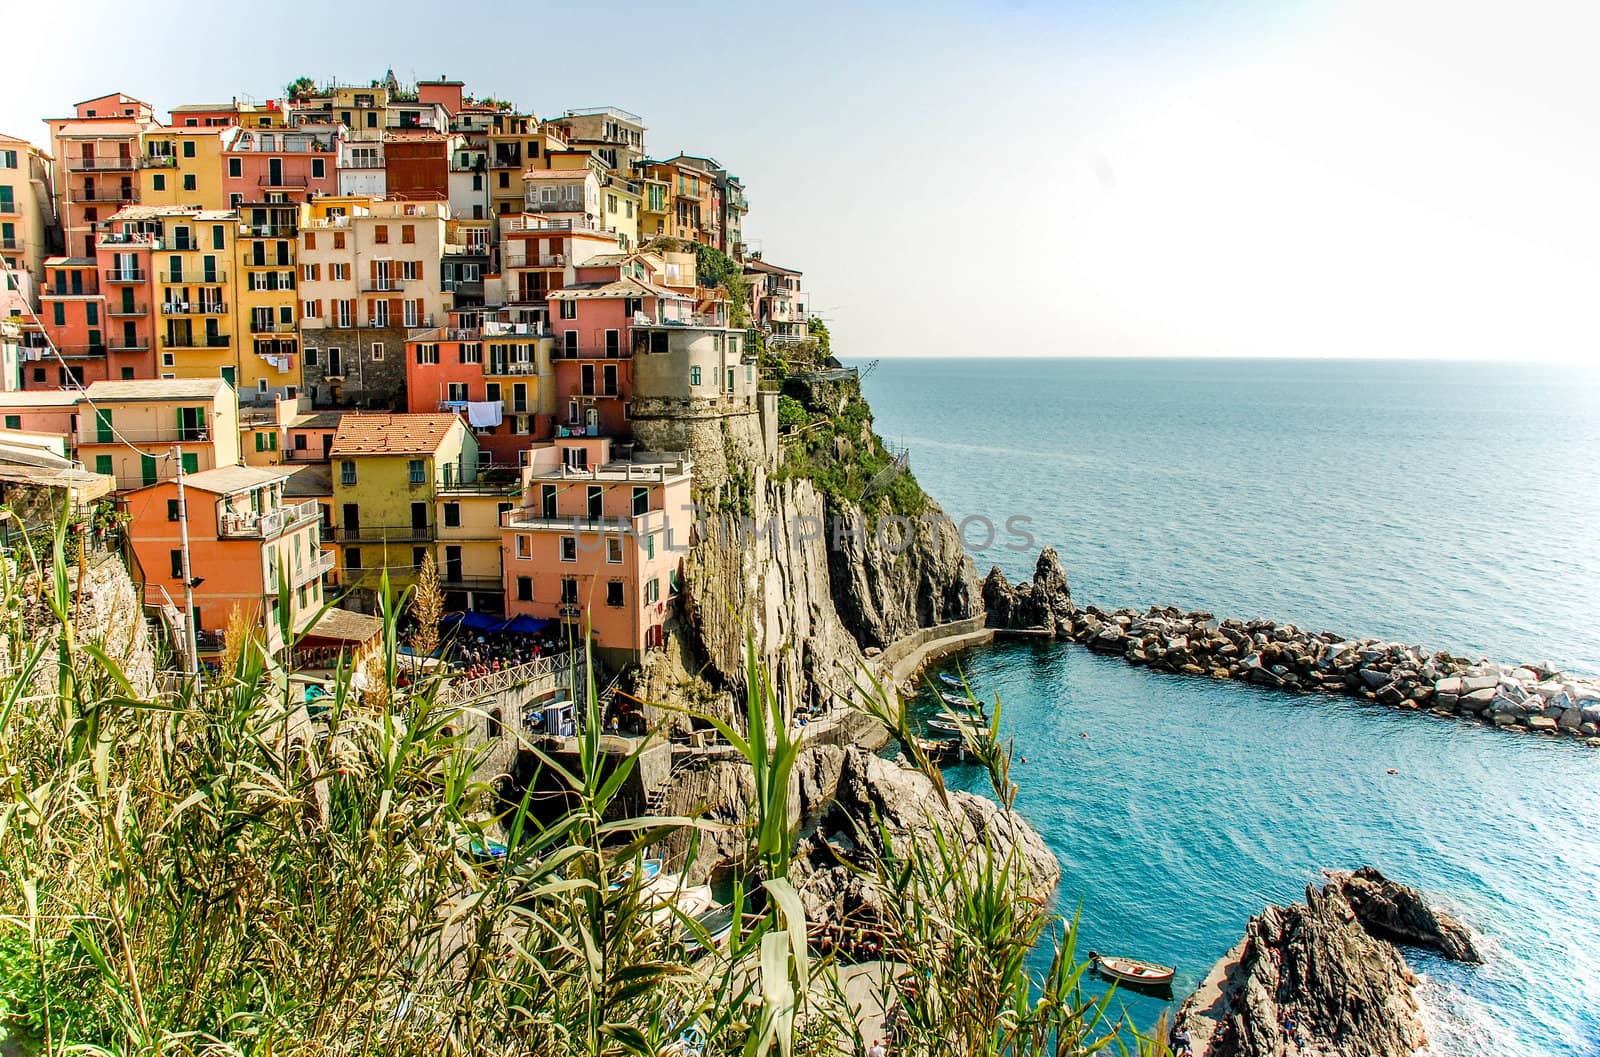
{"points": [[1044, 603]]}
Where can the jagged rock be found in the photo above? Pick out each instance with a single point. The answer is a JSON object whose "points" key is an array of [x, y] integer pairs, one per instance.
{"points": [[1045, 602], [1314, 978]]}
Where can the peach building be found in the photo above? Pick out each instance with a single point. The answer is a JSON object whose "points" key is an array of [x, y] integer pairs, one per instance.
{"points": [[96, 155], [74, 316], [281, 164], [134, 427], [26, 211], [243, 538], [599, 542]]}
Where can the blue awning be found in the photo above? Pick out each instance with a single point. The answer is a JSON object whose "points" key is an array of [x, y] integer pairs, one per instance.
{"points": [[523, 624], [480, 621]]}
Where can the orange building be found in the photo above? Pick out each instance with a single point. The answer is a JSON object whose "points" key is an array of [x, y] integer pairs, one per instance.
{"points": [[242, 537], [74, 316], [600, 544]]}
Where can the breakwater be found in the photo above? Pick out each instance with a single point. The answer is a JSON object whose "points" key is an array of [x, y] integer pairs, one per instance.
{"points": [[1532, 698]]}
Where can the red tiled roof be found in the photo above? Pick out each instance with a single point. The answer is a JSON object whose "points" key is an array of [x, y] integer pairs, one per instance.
{"points": [[391, 434]]}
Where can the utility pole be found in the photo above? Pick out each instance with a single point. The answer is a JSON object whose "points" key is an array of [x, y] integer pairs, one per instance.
{"points": [[191, 647]]}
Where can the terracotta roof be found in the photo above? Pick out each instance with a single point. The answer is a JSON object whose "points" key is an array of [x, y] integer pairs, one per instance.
{"points": [[392, 434], [346, 626], [770, 269], [157, 389], [308, 481], [625, 287], [40, 398]]}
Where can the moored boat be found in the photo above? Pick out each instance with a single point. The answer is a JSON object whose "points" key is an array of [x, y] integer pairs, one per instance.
{"points": [[952, 681], [1133, 971], [960, 701], [942, 750], [950, 726]]}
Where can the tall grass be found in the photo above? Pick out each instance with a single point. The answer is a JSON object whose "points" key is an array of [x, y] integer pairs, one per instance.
{"points": [[209, 871]]}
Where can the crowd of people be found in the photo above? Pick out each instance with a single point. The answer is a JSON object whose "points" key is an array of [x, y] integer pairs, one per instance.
{"points": [[482, 653]]}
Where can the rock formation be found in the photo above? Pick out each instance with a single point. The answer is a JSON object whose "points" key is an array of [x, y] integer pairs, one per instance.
{"points": [[1321, 978], [1043, 604], [1530, 697]]}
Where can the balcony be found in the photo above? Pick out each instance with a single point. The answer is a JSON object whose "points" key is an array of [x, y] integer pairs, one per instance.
{"points": [[108, 194], [198, 278], [125, 311], [138, 345], [159, 161], [9, 242], [197, 341], [87, 164], [503, 368], [259, 327], [193, 308], [525, 519], [125, 275], [391, 285], [267, 525], [315, 569], [470, 583], [383, 533], [269, 231], [129, 238], [91, 434], [492, 480], [283, 181]]}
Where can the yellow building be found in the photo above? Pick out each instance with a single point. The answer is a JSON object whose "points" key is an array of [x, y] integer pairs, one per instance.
{"points": [[468, 539], [266, 281], [388, 472], [194, 273], [25, 211], [180, 166], [136, 425]]}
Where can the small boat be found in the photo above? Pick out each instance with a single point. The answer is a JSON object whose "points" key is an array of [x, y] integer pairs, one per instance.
{"points": [[949, 726], [651, 870], [717, 921], [960, 701], [952, 681], [942, 750], [1133, 971]]}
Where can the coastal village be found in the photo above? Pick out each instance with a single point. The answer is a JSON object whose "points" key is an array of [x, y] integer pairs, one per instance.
{"points": [[294, 350]]}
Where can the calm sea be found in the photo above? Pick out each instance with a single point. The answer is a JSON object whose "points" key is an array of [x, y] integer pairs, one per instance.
{"points": [[1454, 505]]}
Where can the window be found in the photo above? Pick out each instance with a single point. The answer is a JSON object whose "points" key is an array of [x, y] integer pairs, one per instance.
{"points": [[191, 462], [188, 181], [456, 392], [172, 510], [91, 315], [408, 233], [102, 465], [650, 546], [569, 590], [188, 148], [319, 168], [235, 167], [505, 179], [311, 357], [524, 549], [524, 589], [452, 515], [309, 273], [377, 352], [311, 240], [471, 352], [60, 311], [569, 548], [347, 471], [176, 557], [694, 376], [414, 471], [614, 593], [13, 422], [614, 550], [596, 499], [338, 240], [426, 353], [380, 234], [652, 590], [352, 557], [158, 182], [569, 310], [641, 501]]}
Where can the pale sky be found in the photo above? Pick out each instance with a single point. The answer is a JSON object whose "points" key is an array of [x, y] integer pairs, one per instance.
{"points": [[1410, 178]]}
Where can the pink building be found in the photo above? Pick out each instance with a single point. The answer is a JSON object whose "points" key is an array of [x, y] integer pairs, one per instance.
{"points": [[599, 539], [280, 164]]}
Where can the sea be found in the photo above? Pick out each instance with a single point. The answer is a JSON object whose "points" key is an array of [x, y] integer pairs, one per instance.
{"points": [[1453, 505]]}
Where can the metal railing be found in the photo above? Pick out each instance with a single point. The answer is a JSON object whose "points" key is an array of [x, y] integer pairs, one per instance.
{"points": [[193, 308], [471, 583], [383, 533], [137, 345], [258, 327], [129, 238], [573, 523], [89, 433], [271, 523], [197, 341], [463, 691], [283, 181], [118, 164], [393, 284], [502, 367], [591, 352], [128, 310], [109, 194], [269, 231], [159, 161]]}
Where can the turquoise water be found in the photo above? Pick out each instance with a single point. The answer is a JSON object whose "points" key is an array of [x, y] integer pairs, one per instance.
{"points": [[1450, 504]]}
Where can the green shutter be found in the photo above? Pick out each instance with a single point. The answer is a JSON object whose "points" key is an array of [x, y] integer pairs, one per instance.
{"points": [[147, 469], [102, 464], [261, 442], [102, 426], [191, 462], [13, 422]]}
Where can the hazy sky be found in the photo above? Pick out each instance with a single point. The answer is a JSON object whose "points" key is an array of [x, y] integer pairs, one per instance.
{"points": [[1361, 178]]}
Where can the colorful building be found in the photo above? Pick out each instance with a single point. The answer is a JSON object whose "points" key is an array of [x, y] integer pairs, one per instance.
{"points": [[281, 164], [493, 367], [370, 272], [600, 545], [26, 211], [535, 253], [266, 270], [73, 313], [182, 166], [612, 135], [135, 428], [246, 540], [388, 472], [777, 301], [96, 161]]}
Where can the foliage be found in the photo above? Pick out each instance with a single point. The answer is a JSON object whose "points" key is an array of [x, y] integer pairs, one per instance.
{"points": [[427, 608], [792, 413], [713, 268], [208, 870], [819, 331], [299, 87]]}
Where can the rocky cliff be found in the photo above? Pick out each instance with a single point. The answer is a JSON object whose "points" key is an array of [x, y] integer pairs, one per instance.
{"points": [[817, 543], [1322, 977]]}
